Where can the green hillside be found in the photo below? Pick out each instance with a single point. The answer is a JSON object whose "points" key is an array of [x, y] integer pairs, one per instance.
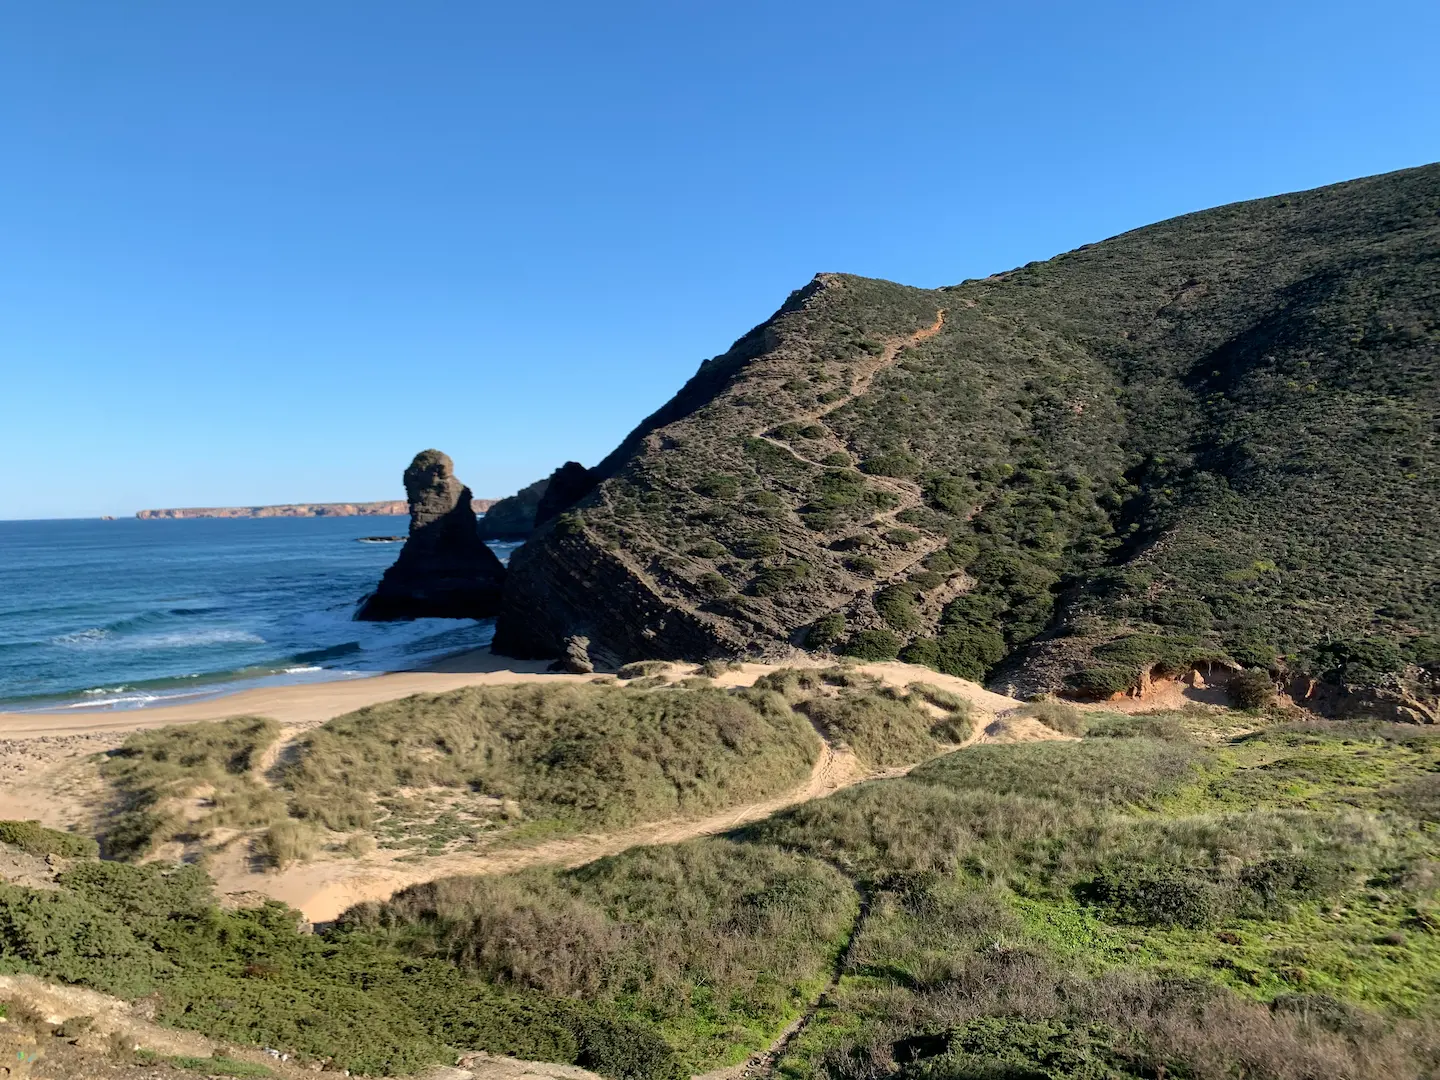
{"points": [[1211, 438]]}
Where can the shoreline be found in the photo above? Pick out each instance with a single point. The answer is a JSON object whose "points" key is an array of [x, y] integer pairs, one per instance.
{"points": [[288, 702]]}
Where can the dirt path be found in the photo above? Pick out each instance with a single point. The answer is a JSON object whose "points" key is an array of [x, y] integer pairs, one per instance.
{"points": [[907, 492]]}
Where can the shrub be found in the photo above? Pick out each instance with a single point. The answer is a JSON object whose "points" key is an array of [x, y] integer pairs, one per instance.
{"points": [[1056, 715], [639, 669], [873, 645], [1251, 689], [778, 579], [1160, 896], [836, 460], [862, 564], [825, 630], [881, 730], [952, 494], [925, 580], [896, 605], [759, 546], [716, 486], [36, 839], [713, 669], [897, 464], [713, 585], [288, 842], [1102, 682], [707, 549], [964, 652]]}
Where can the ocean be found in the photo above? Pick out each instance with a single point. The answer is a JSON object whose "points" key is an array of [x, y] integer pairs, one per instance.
{"points": [[124, 614]]}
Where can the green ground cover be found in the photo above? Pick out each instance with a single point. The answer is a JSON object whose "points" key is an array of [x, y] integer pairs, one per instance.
{"points": [[1173, 895]]}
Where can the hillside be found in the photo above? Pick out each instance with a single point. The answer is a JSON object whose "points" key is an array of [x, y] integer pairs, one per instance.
{"points": [[1210, 439]]}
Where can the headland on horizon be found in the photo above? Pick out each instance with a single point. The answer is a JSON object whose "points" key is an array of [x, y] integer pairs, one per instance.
{"points": [[385, 508]]}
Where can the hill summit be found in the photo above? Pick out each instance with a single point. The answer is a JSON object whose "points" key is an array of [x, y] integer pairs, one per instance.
{"points": [[1210, 440]]}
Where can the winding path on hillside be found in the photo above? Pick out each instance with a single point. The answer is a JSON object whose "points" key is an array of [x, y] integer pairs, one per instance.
{"points": [[907, 492]]}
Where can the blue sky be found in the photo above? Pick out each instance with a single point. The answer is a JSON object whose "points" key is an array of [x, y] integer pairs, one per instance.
{"points": [[264, 252]]}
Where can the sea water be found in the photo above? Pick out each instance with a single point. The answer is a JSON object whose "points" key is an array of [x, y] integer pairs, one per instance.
{"points": [[128, 613]]}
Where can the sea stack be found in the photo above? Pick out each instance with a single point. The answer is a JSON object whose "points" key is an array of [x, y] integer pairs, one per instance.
{"points": [[444, 571]]}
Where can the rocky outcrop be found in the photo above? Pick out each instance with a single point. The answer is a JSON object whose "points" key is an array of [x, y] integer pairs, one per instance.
{"points": [[567, 486], [575, 660], [444, 571], [513, 517]]}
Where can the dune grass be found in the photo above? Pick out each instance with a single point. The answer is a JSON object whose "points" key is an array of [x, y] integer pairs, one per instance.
{"points": [[183, 780], [559, 757]]}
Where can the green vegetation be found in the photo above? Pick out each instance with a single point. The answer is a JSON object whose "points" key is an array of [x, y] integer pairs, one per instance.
{"points": [[477, 766], [211, 1066], [1211, 437], [178, 782], [716, 944], [549, 758], [34, 838], [1168, 896], [250, 976]]}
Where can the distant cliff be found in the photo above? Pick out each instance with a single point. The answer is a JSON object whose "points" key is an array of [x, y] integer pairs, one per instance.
{"points": [[389, 508]]}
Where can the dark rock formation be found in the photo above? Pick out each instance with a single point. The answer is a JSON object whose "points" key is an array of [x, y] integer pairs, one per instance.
{"points": [[513, 517], [576, 658], [567, 486], [444, 571]]}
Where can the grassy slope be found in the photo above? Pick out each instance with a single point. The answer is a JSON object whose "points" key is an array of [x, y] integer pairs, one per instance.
{"points": [[1211, 436], [1167, 895], [1128, 903], [470, 766]]}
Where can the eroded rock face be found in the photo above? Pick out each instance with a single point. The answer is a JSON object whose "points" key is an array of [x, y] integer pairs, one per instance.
{"points": [[444, 571], [513, 517], [566, 486]]}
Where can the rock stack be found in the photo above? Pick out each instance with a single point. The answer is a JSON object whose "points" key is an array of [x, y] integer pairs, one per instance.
{"points": [[444, 571]]}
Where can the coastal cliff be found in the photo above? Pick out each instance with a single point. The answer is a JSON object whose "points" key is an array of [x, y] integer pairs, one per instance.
{"points": [[444, 571], [1210, 439], [387, 508]]}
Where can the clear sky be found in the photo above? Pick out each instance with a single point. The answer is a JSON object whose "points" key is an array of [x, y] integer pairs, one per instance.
{"points": [[263, 251]]}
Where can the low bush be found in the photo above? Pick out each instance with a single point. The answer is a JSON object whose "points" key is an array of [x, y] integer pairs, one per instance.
{"points": [[641, 668], [896, 605], [1102, 682], [709, 939], [1251, 689], [252, 977], [778, 579], [873, 645], [36, 839], [288, 842], [825, 630], [963, 652]]}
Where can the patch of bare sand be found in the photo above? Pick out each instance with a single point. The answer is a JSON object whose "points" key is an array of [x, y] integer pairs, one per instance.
{"points": [[1018, 729]]}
